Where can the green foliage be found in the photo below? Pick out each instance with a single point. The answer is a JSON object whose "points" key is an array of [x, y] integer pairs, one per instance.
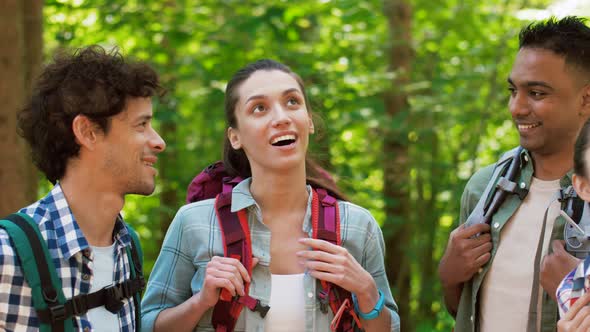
{"points": [[458, 118]]}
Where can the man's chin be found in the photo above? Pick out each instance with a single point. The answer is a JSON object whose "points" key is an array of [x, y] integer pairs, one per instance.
{"points": [[144, 190]]}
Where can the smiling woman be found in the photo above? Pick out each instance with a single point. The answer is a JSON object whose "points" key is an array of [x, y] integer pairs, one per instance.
{"points": [[268, 128]]}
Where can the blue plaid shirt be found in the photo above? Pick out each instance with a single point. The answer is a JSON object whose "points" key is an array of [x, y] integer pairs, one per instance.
{"points": [[72, 257]]}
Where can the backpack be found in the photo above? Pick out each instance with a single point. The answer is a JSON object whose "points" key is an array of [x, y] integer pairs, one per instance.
{"points": [[53, 310], [501, 184], [576, 235], [214, 182]]}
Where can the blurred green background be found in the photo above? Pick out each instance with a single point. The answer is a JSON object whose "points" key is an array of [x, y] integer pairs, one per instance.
{"points": [[412, 97]]}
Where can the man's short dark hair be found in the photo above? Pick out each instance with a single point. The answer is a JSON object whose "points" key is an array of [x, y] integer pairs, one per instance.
{"points": [[90, 81], [568, 37]]}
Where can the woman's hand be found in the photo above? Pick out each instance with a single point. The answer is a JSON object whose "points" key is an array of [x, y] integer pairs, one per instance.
{"points": [[335, 264], [223, 272], [577, 319]]}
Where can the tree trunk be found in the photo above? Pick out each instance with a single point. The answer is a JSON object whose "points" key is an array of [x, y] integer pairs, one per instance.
{"points": [[33, 57], [17, 175], [395, 158]]}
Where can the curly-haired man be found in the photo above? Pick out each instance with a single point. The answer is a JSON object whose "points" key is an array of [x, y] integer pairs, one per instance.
{"points": [[88, 123]]}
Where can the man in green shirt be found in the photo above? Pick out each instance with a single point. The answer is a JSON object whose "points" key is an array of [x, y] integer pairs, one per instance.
{"points": [[492, 282]]}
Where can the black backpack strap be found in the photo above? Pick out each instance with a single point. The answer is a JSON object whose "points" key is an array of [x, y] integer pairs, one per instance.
{"points": [[39, 271]]}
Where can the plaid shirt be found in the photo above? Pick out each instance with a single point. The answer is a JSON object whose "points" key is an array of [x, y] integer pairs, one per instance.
{"points": [[194, 237], [72, 258], [573, 286]]}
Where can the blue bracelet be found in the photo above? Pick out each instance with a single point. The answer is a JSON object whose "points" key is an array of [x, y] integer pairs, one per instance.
{"points": [[373, 313]]}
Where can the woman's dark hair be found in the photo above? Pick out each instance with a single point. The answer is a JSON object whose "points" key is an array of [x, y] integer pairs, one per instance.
{"points": [[580, 149], [235, 161], [89, 82]]}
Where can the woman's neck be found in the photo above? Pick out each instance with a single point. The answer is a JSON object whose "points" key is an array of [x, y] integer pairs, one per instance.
{"points": [[279, 192]]}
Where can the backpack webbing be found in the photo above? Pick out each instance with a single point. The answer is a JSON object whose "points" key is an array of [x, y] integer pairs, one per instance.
{"points": [[54, 311], [500, 185]]}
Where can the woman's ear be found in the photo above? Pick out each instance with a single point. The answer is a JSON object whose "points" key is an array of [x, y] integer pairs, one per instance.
{"points": [[311, 127], [234, 138], [582, 187], [85, 131]]}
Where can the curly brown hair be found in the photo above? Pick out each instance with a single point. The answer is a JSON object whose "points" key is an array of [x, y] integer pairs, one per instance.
{"points": [[89, 81]]}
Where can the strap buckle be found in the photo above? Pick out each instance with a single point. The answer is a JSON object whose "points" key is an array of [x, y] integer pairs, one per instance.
{"points": [[113, 299], [57, 313], [261, 309], [79, 304], [324, 299]]}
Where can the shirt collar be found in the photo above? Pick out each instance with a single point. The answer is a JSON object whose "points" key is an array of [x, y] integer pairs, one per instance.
{"points": [[242, 198], [526, 160], [69, 236]]}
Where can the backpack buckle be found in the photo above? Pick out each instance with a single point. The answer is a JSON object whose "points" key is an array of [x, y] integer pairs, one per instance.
{"points": [[79, 304], [57, 313], [261, 309], [324, 300], [113, 299]]}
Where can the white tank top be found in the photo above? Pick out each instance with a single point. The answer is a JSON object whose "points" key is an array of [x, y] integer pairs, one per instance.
{"points": [[287, 304], [103, 269]]}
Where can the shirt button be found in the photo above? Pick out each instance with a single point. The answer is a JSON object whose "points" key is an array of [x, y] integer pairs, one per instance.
{"points": [[496, 225], [471, 318], [85, 276], [310, 295], [86, 329], [522, 185], [526, 158]]}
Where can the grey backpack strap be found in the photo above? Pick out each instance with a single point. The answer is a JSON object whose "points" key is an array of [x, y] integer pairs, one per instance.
{"points": [[533, 314], [500, 184]]}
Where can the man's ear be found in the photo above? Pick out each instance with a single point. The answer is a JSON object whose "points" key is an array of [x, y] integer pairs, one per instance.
{"points": [[582, 187], [234, 138], [85, 131]]}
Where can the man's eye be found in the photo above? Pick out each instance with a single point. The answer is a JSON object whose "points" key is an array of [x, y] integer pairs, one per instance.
{"points": [[537, 93], [512, 90]]}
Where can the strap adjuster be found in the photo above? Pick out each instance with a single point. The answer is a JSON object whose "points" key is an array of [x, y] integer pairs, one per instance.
{"points": [[79, 304], [113, 299], [261, 309], [57, 313]]}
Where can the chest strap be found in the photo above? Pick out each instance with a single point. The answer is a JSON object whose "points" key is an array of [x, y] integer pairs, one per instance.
{"points": [[111, 297]]}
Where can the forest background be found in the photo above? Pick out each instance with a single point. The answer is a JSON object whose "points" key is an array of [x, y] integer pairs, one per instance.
{"points": [[412, 95]]}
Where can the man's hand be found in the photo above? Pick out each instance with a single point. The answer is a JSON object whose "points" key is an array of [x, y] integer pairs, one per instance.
{"points": [[463, 257], [577, 319], [555, 267]]}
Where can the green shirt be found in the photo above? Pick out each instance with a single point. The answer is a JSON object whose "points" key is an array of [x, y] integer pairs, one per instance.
{"points": [[467, 313]]}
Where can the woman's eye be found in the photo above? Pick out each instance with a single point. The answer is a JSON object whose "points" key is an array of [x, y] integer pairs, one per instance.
{"points": [[258, 108], [292, 102]]}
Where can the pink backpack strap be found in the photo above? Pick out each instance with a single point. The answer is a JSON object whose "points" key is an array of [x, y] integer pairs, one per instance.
{"points": [[237, 244], [325, 218]]}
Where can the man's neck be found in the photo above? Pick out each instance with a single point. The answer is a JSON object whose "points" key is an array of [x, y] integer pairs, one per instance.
{"points": [[95, 209], [553, 166]]}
